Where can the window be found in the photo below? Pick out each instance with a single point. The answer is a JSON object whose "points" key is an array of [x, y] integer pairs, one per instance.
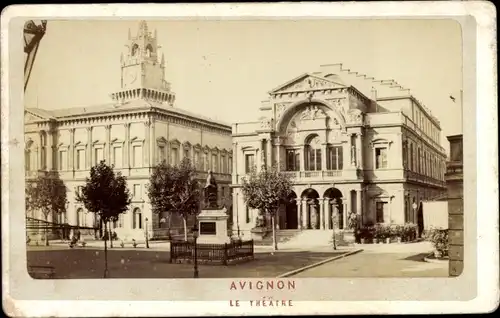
{"points": [[292, 160], [120, 220], [197, 160], [137, 191], [186, 154], [137, 219], [380, 158], [205, 161], [137, 155], [117, 157], [380, 208], [335, 158], [411, 157], [249, 162], [214, 163], [314, 159], [63, 160], [223, 164], [230, 165], [80, 221], [174, 160], [80, 159], [161, 154], [27, 160], [99, 155]]}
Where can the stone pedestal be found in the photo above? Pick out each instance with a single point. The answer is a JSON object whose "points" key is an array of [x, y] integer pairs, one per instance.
{"points": [[212, 224]]}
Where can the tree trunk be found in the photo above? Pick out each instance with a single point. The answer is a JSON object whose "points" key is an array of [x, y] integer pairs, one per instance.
{"points": [[46, 230], [110, 236], [169, 226], [275, 241], [185, 228], [105, 254]]}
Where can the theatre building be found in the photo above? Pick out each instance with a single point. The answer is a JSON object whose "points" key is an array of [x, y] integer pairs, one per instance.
{"points": [[138, 129], [369, 144]]}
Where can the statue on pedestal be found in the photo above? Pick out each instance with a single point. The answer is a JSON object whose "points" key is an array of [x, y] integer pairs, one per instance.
{"points": [[210, 191]]}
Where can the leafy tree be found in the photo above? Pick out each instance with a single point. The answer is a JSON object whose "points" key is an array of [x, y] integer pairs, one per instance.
{"points": [[48, 194], [106, 194], [265, 191], [175, 189]]}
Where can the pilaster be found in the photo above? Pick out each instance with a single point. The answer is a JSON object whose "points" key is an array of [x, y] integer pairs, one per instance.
{"points": [[89, 147]]}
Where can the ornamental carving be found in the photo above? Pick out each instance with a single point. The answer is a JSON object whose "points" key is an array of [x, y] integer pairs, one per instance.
{"points": [[266, 123], [312, 113], [309, 83], [280, 109], [355, 116]]}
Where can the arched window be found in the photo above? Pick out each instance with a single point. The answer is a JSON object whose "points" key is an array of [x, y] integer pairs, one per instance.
{"points": [[135, 49], [313, 154], [137, 219], [27, 160], [149, 50]]}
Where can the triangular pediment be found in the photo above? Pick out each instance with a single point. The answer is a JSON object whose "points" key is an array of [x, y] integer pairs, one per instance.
{"points": [[306, 82], [35, 116]]}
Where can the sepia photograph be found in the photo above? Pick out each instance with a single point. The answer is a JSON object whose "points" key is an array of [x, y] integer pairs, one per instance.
{"points": [[356, 158], [262, 159]]}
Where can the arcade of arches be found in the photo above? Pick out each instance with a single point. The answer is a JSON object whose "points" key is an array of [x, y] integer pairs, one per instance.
{"points": [[312, 210]]}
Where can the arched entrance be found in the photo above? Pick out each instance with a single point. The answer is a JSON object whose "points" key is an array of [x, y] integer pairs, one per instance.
{"points": [[311, 209], [335, 208], [291, 217]]}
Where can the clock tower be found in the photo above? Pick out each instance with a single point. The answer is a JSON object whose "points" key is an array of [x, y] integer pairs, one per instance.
{"points": [[142, 73]]}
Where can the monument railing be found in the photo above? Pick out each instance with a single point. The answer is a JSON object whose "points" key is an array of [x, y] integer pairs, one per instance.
{"points": [[221, 253]]}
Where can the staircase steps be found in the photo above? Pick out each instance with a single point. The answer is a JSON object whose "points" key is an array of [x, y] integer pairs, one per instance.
{"points": [[282, 236]]}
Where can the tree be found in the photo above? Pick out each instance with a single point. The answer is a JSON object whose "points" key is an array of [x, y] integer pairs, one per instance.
{"points": [[265, 191], [106, 194], [175, 189], [48, 194]]}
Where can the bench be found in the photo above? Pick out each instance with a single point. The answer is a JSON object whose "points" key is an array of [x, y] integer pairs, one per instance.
{"points": [[41, 272]]}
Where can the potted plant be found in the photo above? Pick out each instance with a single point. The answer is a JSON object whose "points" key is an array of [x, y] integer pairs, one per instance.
{"points": [[439, 240], [387, 234], [398, 233], [378, 233]]}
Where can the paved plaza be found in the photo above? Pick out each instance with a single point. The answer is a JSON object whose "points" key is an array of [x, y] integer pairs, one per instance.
{"points": [[374, 260]]}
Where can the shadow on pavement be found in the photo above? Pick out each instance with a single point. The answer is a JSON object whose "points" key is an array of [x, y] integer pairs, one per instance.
{"points": [[417, 257]]}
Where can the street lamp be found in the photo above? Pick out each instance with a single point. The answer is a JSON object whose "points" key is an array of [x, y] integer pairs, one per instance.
{"points": [[195, 236], [33, 32], [415, 216], [146, 232]]}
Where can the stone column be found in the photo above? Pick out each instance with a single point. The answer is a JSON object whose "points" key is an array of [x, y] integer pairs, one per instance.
{"points": [[147, 139], [344, 213], [322, 213], [50, 151], [299, 213], [89, 147], [71, 154], [126, 146], [302, 158], [305, 214], [263, 154], [278, 157], [359, 208], [234, 176], [40, 152], [269, 155], [324, 155], [107, 146], [359, 149], [152, 144]]}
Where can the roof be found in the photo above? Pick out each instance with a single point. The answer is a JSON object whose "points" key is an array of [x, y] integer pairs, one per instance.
{"points": [[138, 104]]}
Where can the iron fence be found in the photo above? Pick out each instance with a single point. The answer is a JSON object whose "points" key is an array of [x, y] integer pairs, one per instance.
{"points": [[236, 251]]}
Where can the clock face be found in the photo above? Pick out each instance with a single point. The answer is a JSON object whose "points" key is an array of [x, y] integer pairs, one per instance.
{"points": [[130, 76]]}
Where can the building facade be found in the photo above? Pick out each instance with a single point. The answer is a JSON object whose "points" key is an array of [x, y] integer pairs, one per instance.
{"points": [[352, 144], [139, 129]]}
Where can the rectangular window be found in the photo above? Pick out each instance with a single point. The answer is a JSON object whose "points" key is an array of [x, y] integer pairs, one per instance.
{"points": [[137, 155], [223, 164], [205, 161], [214, 163], [161, 153], [80, 159], [249, 162], [380, 158], [380, 208], [314, 159], [117, 157], [292, 160], [63, 160], [120, 220], [99, 155], [197, 160], [137, 191], [174, 160], [186, 154], [335, 158], [230, 167]]}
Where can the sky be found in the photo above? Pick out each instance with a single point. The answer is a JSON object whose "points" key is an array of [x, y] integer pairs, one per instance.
{"points": [[223, 69]]}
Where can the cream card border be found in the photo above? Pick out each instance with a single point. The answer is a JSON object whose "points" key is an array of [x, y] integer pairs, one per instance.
{"points": [[475, 290]]}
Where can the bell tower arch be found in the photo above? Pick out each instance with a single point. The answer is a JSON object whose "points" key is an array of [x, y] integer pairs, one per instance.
{"points": [[142, 70]]}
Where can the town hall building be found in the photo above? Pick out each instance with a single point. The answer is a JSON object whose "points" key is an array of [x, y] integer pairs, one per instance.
{"points": [[138, 129], [351, 143]]}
